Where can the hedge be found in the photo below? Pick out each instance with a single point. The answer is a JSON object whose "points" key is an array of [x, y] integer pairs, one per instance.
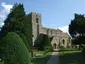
{"points": [[13, 50]]}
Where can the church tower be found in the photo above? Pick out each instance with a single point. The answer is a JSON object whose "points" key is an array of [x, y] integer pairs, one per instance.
{"points": [[36, 25]]}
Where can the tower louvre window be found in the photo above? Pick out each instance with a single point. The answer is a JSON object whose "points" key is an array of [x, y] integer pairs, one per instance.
{"points": [[51, 32], [37, 30], [37, 20]]}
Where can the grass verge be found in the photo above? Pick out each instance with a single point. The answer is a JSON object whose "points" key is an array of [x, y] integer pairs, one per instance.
{"points": [[71, 57], [42, 59]]}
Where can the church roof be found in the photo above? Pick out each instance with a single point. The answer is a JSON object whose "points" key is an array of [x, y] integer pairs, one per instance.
{"points": [[62, 34], [58, 30]]}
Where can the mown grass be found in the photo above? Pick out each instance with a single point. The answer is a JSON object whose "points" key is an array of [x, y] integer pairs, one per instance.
{"points": [[42, 59], [71, 57], [69, 49]]}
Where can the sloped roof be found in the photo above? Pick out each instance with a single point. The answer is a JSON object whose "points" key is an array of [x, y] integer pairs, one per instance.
{"points": [[62, 35], [58, 30]]}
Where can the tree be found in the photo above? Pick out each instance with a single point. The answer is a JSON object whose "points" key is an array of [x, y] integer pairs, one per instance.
{"points": [[17, 21], [13, 50], [77, 29], [44, 43], [28, 30]]}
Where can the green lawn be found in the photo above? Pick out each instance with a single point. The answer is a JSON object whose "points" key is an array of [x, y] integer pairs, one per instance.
{"points": [[42, 59], [71, 57]]}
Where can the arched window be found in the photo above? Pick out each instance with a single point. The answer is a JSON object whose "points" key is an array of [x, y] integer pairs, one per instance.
{"points": [[54, 45], [63, 41], [37, 20], [37, 30]]}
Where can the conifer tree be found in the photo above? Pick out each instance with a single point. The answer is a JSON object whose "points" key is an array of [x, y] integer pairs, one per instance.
{"points": [[77, 29], [17, 21]]}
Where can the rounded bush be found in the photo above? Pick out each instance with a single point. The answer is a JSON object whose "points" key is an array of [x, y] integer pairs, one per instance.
{"points": [[13, 50], [23, 37]]}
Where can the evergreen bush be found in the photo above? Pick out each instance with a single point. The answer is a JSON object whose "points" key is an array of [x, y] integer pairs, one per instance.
{"points": [[46, 43], [13, 50]]}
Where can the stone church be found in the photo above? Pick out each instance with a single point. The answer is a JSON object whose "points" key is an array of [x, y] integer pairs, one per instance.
{"points": [[59, 38]]}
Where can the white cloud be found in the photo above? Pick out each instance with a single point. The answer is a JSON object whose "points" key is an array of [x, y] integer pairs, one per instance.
{"points": [[7, 7], [64, 28], [1, 24], [5, 10]]}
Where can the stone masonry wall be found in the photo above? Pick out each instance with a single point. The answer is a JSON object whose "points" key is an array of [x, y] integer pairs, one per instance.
{"points": [[57, 34]]}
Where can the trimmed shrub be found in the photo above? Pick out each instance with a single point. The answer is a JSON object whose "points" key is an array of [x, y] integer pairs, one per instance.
{"points": [[13, 50], [23, 37]]}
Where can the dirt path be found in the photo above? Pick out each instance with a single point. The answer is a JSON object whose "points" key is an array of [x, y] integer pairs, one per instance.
{"points": [[54, 59]]}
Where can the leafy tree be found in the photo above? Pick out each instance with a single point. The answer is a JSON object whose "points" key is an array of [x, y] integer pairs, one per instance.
{"points": [[45, 43], [46, 40], [17, 21], [77, 29], [77, 25], [13, 50], [28, 30]]}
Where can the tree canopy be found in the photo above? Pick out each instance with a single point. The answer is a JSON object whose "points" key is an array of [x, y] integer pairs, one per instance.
{"points": [[44, 43], [17, 21], [77, 29]]}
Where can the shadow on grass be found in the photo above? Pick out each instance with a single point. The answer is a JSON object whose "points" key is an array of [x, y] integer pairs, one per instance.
{"points": [[71, 58]]}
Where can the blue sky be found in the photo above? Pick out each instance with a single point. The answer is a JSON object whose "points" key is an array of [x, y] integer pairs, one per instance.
{"points": [[55, 13]]}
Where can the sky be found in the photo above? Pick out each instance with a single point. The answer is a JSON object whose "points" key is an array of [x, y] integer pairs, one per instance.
{"points": [[55, 13]]}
